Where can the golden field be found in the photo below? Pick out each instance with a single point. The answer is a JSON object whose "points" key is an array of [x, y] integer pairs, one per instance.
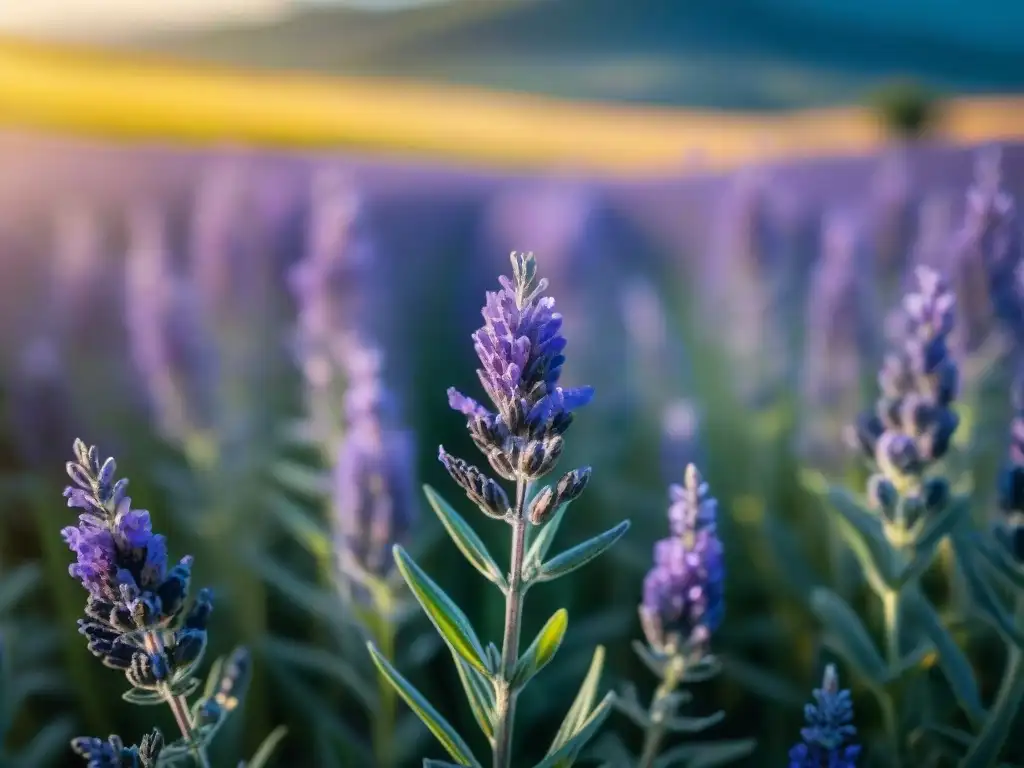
{"points": [[135, 97]]}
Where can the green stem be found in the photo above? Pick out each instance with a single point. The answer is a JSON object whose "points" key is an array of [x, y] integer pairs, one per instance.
{"points": [[179, 708], [891, 611], [505, 694], [384, 719], [986, 748], [658, 712]]}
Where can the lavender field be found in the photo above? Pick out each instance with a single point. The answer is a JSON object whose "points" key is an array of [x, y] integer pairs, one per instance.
{"points": [[266, 341]]}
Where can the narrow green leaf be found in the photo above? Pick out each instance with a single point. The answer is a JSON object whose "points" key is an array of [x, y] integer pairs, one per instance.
{"points": [[308, 481], [47, 744], [582, 704], [847, 635], [451, 623], [941, 525], [267, 747], [581, 554], [999, 562], [954, 663], [479, 694], [323, 664], [321, 716], [654, 662], [428, 763], [143, 698], [680, 724], [542, 650], [984, 753], [985, 602], [706, 754], [863, 533], [567, 754], [17, 584], [443, 732], [466, 539], [300, 525]]}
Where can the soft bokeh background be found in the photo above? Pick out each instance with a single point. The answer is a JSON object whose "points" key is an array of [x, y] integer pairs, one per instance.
{"points": [[682, 170]]}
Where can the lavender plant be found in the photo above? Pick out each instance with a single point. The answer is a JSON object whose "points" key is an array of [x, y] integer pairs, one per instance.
{"points": [[827, 739], [139, 619], [683, 604], [372, 506], [909, 510], [1000, 597], [365, 493], [520, 348]]}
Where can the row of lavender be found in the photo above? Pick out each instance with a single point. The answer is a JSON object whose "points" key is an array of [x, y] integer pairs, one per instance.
{"points": [[176, 315]]}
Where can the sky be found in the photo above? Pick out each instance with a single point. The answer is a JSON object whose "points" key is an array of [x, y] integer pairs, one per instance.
{"points": [[98, 19]]}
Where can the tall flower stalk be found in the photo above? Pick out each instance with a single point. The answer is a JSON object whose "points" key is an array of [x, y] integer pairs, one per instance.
{"points": [[139, 619], [910, 510], [683, 604], [374, 509], [520, 348]]}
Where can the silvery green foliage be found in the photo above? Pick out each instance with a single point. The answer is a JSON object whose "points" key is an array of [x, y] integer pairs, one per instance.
{"points": [[683, 604], [520, 350], [140, 620], [27, 671]]}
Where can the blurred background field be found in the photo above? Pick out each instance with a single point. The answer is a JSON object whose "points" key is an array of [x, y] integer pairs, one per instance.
{"points": [[696, 180]]}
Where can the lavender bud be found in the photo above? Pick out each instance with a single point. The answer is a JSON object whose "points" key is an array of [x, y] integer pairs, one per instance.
{"points": [[571, 485], [542, 506], [482, 490], [150, 747]]}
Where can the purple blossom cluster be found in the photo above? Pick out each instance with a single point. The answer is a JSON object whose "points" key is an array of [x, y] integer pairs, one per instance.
{"points": [[136, 617], [913, 422], [520, 347], [374, 473], [683, 594], [829, 729]]}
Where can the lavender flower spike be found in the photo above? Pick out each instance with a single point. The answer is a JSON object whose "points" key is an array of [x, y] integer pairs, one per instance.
{"points": [[913, 423], [137, 615], [829, 730], [683, 594], [374, 482], [520, 348]]}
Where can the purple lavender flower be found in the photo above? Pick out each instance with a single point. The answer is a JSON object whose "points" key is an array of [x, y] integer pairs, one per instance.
{"points": [[520, 348], [840, 337], [913, 422], [683, 594], [374, 475], [986, 256], [829, 730], [113, 753], [135, 611], [166, 333], [330, 286]]}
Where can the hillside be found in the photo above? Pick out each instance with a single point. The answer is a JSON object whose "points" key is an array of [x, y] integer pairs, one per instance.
{"points": [[741, 54]]}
